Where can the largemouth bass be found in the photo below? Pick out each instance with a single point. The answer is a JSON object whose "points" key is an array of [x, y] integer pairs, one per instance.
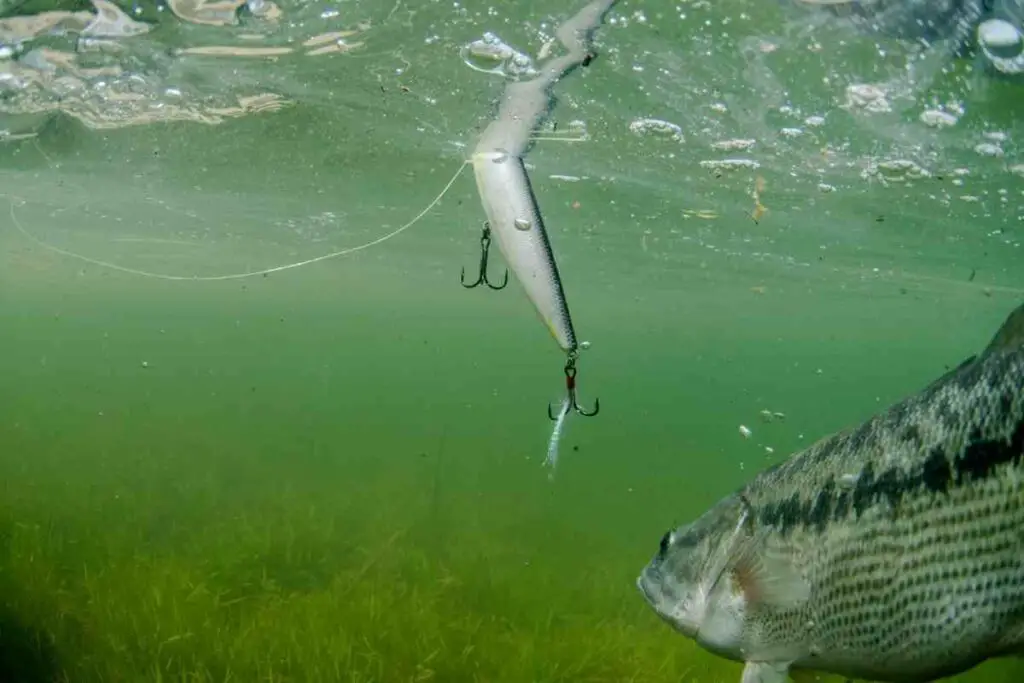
{"points": [[890, 552]]}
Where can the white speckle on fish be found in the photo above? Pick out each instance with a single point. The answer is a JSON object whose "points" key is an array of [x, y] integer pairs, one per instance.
{"points": [[849, 480]]}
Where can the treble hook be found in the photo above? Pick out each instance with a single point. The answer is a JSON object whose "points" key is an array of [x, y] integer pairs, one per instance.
{"points": [[570, 388], [485, 246]]}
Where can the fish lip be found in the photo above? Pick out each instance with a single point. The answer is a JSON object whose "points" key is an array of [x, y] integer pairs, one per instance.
{"points": [[643, 589], [645, 585], [650, 584]]}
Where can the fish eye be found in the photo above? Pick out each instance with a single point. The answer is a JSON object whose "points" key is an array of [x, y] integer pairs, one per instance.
{"points": [[666, 540]]}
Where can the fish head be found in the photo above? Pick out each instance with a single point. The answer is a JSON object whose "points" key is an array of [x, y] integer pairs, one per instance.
{"points": [[713, 579], [686, 582]]}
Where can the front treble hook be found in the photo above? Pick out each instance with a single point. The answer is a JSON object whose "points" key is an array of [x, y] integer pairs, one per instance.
{"points": [[485, 246], [570, 389]]}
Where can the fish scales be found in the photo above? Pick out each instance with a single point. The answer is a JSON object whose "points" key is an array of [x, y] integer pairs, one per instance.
{"points": [[962, 428], [907, 534]]}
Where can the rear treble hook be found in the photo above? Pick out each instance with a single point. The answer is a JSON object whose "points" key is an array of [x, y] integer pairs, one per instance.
{"points": [[570, 389], [485, 246]]}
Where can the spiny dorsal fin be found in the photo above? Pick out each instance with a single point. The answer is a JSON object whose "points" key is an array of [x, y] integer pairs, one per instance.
{"points": [[1011, 334]]}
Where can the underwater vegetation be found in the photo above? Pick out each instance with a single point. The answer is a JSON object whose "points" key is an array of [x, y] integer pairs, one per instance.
{"points": [[254, 571], [129, 574]]}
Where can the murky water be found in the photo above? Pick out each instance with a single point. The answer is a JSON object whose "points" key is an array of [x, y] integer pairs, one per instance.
{"points": [[218, 466]]}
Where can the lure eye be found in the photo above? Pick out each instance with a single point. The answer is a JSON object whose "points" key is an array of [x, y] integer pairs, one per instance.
{"points": [[666, 540]]}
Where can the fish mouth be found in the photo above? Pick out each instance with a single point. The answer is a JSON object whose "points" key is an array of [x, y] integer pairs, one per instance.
{"points": [[663, 599], [643, 588], [647, 583]]}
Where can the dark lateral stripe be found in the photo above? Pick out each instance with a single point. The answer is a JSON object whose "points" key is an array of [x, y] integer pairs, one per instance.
{"points": [[938, 474]]}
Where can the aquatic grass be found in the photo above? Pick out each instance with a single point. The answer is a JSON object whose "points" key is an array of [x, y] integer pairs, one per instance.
{"points": [[126, 573], [292, 591]]}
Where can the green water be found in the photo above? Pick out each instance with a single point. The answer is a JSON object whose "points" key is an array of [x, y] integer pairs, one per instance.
{"points": [[334, 472]]}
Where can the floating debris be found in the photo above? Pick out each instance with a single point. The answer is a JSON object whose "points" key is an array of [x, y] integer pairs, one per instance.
{"points": [[222, 12], [111, 22], [988, 149], [759, 209], [705, 214], [18, 29], [235, 51], [721, 165], [895, 170], [938, 119], [745, 432], [733, 145], [866, 97], [658, 128], [335, 46], [106, 98], [216, 13], [333, 36], [43, 79]]}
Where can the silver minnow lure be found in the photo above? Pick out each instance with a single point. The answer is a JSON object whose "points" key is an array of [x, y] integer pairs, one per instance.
{"points": [[890, 552], [504, 186], [513, 215], [516, 222]]}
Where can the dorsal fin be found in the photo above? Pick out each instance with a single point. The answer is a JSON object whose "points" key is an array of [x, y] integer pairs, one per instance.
{"points": [[1010, 335]]}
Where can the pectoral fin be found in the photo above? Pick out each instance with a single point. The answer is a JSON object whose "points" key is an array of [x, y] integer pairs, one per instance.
{"points": [[770, 582], [765, 672]]}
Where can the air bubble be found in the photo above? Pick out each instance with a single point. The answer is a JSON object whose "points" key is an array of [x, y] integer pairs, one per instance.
{"points": [[491, 55]]}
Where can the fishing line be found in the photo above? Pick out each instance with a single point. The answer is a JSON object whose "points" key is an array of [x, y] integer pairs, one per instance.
{"points": [[236, 276], [265, 271]]}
